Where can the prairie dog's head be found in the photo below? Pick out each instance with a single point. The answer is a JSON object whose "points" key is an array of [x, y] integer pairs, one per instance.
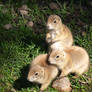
{"points": [[36, 74], [58, 58], [54, 22]]}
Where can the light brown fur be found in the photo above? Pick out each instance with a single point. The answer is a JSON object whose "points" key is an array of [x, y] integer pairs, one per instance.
{"points": [[58, 35], [41, 72], [72, 60]]}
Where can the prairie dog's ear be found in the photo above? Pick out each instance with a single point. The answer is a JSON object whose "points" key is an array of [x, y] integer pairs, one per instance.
{"points": [[59, 19], [63, 52], [40, 68], [42, 71]]}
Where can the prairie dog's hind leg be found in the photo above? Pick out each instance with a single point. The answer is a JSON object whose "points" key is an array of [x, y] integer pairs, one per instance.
{"points": [[81, 70], [65, 72]]}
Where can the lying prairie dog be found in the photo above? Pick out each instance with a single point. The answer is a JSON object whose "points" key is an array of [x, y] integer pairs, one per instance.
{"points": [[42, 73], [59, 35], [72, 60], [62, 84]]}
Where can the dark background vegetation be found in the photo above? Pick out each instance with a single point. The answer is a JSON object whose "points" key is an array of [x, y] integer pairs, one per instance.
{"points": [[20, 43]]}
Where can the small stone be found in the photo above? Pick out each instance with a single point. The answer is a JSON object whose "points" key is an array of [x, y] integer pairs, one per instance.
{"points": [[23, 12], [8, 26], [30, 24], [83, 33], [62, 84], [54, 6]]}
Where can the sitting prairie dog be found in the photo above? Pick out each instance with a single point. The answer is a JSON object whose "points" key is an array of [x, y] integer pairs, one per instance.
{"points": [[72, 60], [42, 73], [58, 36]]}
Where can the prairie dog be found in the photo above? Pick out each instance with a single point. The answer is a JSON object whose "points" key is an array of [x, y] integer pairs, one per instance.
{"points": [[42, 73], [58, 36], [72, 60]]}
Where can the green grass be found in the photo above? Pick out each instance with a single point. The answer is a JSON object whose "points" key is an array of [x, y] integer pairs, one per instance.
{"points": [[19, 45]]}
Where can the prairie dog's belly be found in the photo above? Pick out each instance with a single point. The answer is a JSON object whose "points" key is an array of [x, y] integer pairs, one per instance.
{"points": [[53, 35], [80, 59]]}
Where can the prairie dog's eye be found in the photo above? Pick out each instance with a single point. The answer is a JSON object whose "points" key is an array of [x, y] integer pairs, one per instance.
{"points": [[57, 56], [36, 73], [54, 21]]}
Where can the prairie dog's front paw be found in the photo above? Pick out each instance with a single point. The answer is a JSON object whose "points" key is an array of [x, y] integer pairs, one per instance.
{"points": [[44, 86], [48, 35], [53, 35], [48, 38], [63, 74]]}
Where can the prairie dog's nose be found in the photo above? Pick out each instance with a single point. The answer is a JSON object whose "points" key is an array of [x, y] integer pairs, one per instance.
{"points": [[28, 77]]}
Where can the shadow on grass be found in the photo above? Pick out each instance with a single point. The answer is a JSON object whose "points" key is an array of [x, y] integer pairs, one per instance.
{"points": [[22, 82]]}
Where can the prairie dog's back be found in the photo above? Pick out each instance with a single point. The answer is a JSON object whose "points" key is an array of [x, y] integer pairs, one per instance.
{"points": [[68, 35], [40, 60], [78, 54]]}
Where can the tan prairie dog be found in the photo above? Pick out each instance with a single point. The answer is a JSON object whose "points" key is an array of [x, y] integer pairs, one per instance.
{"points": [[42, 73], [58, 36], [72, 60]]}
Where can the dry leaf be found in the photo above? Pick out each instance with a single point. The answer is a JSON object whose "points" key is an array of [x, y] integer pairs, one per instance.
{"points": [[23, 10], [83, 33], [30, 24]]}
